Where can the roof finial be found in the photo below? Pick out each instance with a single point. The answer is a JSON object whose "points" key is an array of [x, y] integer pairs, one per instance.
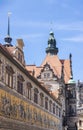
{"points": [[71, 73], [8, 39]]}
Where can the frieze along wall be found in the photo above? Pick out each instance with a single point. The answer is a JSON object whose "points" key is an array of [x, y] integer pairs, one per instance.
{"points": [[14, 108]]}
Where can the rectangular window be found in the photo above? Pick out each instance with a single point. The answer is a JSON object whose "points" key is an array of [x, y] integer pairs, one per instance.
{"points": [[35, 98], [57, 110], [46, 104], [53, 108], [20, 87]]}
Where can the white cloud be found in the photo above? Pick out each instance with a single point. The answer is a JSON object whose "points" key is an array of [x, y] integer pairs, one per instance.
{"points": [[70, 26], [74, 39], [56, 25], [33, 35]]}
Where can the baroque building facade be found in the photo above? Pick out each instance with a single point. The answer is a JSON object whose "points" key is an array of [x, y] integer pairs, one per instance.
{"points": [[80, 105], [36, 97], [25, 103], [22, 97], [57, 77]]}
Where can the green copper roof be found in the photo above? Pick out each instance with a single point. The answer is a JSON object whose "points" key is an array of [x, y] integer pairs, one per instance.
{"points": [[71, 81], [52, 49]]}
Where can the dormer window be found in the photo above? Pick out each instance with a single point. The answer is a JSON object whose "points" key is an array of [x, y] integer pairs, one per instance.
{"points": [[46, 75]]}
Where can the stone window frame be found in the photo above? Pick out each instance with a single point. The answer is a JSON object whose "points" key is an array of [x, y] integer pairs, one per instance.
{"points": [[9, 76], [41, 99], [46, 103], [50, 105], [28, 90], [36, 95], [57, 110], [53, 108], [20, 81]]}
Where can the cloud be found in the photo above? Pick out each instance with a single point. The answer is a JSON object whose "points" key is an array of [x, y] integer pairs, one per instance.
{"points": [[56, 25], [33, 35], [70, 26], [30, 37], [74, 39]]}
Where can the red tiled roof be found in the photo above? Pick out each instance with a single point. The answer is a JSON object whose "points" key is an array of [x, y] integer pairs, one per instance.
{"points": [[56, 64]]}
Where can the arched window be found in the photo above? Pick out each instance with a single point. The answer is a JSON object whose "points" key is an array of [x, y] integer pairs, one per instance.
{"points": [[20, 81], [36, 95], [41, 99], [28, 92], [9, 76], [46, 103]]}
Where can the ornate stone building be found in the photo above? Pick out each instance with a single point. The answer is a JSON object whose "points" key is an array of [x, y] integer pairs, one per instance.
{"points": [[32, 97], [25, 103], [57, 77], [80, 105]]}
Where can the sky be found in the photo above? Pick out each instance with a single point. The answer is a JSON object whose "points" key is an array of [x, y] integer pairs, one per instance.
{"points": [[32, 20]]}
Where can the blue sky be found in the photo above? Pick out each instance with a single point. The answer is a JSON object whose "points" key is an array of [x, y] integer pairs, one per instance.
{"points": [[31, 20]]}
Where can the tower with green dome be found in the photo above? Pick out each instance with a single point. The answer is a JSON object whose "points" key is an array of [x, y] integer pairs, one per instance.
{"points": [[70, 102], [51, 49]]}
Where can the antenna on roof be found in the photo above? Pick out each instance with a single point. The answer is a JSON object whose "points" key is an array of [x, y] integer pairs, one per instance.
{"points": [[8, 39]]}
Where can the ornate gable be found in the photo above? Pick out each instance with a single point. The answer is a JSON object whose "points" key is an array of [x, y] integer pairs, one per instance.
{"points": [[47, 73]]}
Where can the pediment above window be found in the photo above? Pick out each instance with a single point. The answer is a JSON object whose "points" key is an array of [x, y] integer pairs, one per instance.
{"points": [[20, 77], [10, 69], [29, 84]]}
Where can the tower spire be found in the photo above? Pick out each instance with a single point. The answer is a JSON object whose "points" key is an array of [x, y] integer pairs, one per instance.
{"points": [[8, 39], [8, 24], [71, 72]]}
